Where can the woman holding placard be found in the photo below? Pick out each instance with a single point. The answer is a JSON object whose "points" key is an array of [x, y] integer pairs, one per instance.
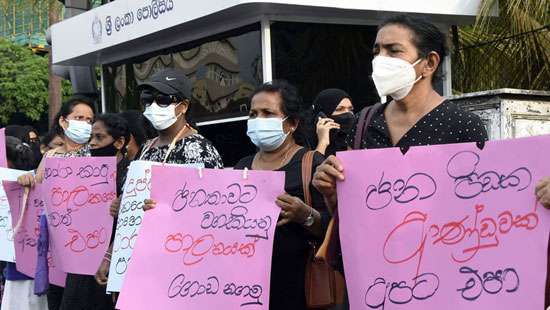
{"points": [[277, 118], [408, 57], [19, 289], [74, 123], [167, 100], [110, 136]]}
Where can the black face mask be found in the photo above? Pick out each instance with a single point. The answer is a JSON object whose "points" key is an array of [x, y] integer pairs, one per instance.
{"points": [[109, 150], [345, 120], [338, 137]]}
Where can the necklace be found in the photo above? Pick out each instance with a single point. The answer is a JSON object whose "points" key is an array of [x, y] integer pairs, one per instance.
{"points": [[172, 145], [284, 158]]}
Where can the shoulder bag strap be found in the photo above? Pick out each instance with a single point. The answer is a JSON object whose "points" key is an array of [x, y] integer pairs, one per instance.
{"points": [[364, 120], [307, 169]]}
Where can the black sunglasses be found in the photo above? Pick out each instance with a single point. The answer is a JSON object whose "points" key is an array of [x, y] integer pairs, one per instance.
{"points": [[147, 98]]}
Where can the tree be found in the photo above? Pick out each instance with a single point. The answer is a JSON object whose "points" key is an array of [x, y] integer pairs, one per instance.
{"points": [[511, 50], [23, 82], [54, 87], [30, 70]]}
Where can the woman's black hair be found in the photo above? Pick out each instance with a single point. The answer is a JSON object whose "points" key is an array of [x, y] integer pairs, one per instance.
{"points": [[426, 36], [20, 154], [116, 126], [293, 107], [48, 137], [23, 133], [140, 127], [68, 107], [31, 129], [19, 132]]}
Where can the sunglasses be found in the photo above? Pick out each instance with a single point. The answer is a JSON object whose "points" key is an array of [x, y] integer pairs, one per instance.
{"points": [[147, 99]]}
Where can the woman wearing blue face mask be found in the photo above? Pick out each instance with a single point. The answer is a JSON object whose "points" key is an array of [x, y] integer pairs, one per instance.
{"points": [[74, 123], [277, 115]]}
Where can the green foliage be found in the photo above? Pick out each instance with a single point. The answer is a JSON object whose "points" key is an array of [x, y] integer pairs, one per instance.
{"points": [[23, 82], [66, 89], [508, 51]]}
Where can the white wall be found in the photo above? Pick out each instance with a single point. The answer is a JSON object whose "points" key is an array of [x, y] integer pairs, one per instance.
{"points": [[88, 33]]}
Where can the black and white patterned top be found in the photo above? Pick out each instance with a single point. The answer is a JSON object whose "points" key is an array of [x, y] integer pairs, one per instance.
{"points": [[81, 152], [194, 149], [445, 124]]}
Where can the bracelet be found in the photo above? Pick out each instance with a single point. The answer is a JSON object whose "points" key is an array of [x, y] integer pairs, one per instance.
{"points": [[107, 259]]}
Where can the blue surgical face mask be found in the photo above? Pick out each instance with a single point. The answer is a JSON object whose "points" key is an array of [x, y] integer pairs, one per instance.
{"points": [[78, 131], [266, 133]]}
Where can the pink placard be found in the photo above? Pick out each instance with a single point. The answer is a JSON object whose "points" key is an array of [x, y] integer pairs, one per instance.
{"points": [[207, 244], [445, 227], [3, 158], [78, 193], [26, 237]]}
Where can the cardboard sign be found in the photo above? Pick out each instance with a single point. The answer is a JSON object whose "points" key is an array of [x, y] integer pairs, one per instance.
{"points": [[445, 227], [78, 193], [207, 244]]}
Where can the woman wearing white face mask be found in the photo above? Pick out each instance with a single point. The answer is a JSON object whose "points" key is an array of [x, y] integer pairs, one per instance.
{"points": [[166, 98], [276, 116], [408, 55]]}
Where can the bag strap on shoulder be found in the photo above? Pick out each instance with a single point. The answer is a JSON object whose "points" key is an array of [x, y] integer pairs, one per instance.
{"points": [[307, 169], [365, 118]]}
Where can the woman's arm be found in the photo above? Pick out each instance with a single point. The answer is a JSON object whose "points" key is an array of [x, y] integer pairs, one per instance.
{"points": [[29, 179], [293, 209], [324, 126]]}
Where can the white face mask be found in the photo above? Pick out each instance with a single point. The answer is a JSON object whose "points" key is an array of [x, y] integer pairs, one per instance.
{"points": [[78, 131], [266, 133], [393, 76], [161, 118]]}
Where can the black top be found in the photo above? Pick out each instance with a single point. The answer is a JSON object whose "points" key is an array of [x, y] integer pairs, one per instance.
{"points": [[445, 124], [291, 243], [121, 171]]}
